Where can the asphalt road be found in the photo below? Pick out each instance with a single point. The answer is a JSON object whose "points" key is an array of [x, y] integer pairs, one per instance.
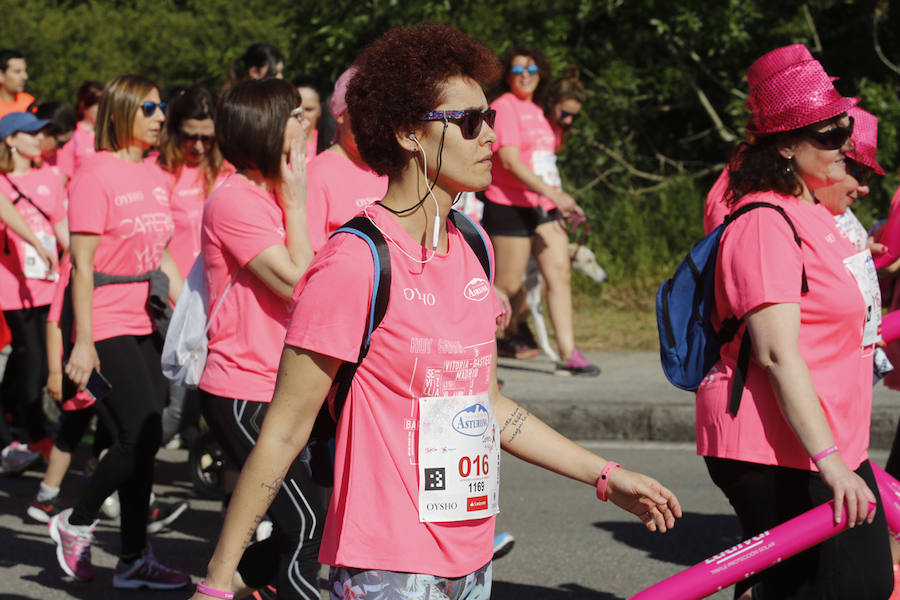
{"points": [[569, 546]]}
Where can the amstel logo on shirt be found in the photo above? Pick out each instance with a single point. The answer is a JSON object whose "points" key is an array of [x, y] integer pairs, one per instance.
{"points": [[472, 421], [477, 289]]}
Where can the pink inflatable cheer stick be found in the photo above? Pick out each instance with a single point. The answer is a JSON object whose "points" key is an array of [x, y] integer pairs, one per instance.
{"points": [[890, 328], [889, 489], [750, 556]]}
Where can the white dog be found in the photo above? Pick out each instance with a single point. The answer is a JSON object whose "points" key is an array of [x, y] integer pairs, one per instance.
{"points": [[583, 261]]}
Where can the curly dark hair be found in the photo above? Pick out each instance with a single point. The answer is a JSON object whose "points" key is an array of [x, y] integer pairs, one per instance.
{"points": [[757, 166], [401, 78]]}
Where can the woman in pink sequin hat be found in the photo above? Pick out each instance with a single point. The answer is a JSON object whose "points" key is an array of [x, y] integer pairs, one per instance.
{"points": [[783, 418]]}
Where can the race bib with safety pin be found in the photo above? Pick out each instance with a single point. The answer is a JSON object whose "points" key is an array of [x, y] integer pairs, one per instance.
{"points": [[33, 267], [862, 267], [544, 166], [459, 458]]}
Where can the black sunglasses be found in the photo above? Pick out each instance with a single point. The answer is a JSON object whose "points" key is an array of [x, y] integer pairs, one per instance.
{"points": [[859, 171], [196, 137], [564, 114], [469, 121], [150, 107], [833, 138]]}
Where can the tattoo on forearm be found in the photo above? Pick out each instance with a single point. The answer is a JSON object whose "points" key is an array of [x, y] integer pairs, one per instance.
{"points": [[274, 486], [516, 420], [251, 531]]}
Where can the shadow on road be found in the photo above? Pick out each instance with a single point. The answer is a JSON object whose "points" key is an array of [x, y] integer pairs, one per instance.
{"points": [[503, 590], [696, 537]]}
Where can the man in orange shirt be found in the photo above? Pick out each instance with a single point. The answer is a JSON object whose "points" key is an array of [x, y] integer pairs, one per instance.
{"points": [[13, 75]]}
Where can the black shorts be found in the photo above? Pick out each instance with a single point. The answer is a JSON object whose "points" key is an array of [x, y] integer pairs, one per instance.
{"points": [[514, 221]]}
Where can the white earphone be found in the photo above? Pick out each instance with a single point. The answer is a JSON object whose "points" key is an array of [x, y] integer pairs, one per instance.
{"points": [[437, 212]]}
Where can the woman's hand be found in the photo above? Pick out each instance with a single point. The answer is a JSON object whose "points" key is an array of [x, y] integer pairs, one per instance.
{"points": [[849, 489], [50, 259], [292, 191], [505, 310], [54, 385], [645, 497], [565, 203], [81, 362]]}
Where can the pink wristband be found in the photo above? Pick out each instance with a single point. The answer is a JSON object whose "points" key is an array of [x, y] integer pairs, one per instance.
{"points": [[205, 589], [603, 480], [824, 453]]}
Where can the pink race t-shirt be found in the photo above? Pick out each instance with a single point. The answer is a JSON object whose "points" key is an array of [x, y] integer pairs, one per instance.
{"points": [[436, 339], [521, 123], [127, 205], [716, 210], [44, 188], [759, 263], [76, 151], [337, 189], [246, 336]]}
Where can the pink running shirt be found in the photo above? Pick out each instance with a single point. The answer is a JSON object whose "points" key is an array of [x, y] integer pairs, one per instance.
{"points": [[246, 336], [716, 210], [337, 189], [76, 151], [760, 263], [127, 205], [45, 189], [520, 123], [436, 339]]}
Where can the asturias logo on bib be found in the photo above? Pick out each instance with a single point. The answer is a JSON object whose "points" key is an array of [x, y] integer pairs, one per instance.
{"points": [[477, 289], [472, 421]]}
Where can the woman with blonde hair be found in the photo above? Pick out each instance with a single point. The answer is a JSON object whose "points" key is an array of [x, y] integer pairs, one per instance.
{"points": [[120, 225]]}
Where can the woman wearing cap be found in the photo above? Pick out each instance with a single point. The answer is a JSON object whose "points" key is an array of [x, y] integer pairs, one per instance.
{"points": [[796, 434], [523, 204], [120, 224], [34, 225], [255, 249], [428, 360], [340, 182]]}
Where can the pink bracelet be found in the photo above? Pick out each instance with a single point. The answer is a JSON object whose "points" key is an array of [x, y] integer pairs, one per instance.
{"points": [[205, 589], [824, 453], [603, 480]]}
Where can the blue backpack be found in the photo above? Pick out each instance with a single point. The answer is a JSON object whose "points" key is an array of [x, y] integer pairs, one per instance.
{"points": [[688, 344]]}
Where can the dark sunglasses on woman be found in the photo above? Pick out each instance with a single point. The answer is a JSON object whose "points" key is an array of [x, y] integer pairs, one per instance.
{"points": [[831, 139], [149, 107], [196, 137], [469, 121]]}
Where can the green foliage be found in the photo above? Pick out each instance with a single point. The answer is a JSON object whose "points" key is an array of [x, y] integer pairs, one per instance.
{"points": [[659, 74]]}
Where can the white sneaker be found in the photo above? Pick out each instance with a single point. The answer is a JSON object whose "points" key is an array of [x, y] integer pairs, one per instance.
{"points": [[17, 458]]}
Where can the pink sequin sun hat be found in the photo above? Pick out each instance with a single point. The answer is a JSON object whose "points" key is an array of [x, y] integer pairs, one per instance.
{"points": [[794, 97], [774, 61], [865, 138]]}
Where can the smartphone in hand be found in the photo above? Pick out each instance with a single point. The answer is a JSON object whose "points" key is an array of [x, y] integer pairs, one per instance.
{"points": [[98, 386]]}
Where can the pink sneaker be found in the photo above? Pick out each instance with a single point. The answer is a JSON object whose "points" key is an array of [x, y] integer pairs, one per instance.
{"points": [[73, 546], [147, 572], [577, 364]]}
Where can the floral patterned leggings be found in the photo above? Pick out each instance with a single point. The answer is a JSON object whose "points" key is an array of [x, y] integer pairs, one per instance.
{"points": [[345, 583]]}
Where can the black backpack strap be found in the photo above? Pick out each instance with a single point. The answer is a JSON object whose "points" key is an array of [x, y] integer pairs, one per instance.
{"points": [[363, 228], [731, 325], [474, 238], [15, 201]]}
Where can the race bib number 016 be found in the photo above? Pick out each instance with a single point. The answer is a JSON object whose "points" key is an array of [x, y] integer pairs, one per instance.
{"points": [[459, 459]]}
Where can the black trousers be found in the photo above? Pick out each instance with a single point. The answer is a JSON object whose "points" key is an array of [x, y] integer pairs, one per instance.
{"points": [[132, 414], [290, 557], [853, 564], [26, 370]]}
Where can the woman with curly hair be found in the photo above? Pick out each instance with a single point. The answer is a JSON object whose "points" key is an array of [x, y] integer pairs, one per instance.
{"points": [[524, 203], [402, 523]]}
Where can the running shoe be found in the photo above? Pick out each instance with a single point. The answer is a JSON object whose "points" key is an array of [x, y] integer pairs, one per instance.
{"points": [[513, 347], [73, 546], [266, 593], [111, 508], [577, 364], [503, 544], [16, 458], [163, 514], [44, 511], [148, 572]]}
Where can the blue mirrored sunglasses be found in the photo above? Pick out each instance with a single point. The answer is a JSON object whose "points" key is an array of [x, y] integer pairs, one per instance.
{"points": [[149, 107], [519, 69]]}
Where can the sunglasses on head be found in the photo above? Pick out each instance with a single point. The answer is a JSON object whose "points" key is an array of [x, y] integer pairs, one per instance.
{"points": [[519, 69], [833, 138], [149, 107], [469, 121], [859, 171], [196, 137]]}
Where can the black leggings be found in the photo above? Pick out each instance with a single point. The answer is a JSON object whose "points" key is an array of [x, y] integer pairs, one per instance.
{"points": [[132, 413], [26, 368], [73, 424], [290, 557], [853, 564]]}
